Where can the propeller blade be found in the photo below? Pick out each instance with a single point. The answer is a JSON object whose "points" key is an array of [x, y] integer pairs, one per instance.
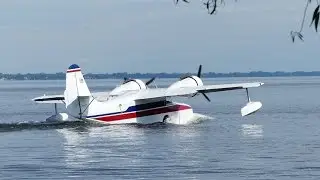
{"points": [[150, 81], [199, 71], [206, 96]]}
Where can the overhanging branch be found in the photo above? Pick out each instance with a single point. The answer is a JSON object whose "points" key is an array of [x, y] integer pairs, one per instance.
{"points": [[213, 5]]}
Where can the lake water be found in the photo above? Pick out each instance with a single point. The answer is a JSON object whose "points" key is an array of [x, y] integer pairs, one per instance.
{"points": [[281, 141]]}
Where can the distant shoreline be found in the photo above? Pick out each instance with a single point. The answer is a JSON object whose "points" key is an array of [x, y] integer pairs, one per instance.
{"points": [[61, 76]]}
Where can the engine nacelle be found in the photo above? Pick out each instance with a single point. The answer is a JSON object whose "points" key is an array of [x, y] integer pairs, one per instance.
{"points": [[189, 81], [129, 85]]}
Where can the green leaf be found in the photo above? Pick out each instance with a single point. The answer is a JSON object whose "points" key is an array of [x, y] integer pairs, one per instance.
{"points": [[315, 14], [292, 36], [316, 22], [300, 36]]}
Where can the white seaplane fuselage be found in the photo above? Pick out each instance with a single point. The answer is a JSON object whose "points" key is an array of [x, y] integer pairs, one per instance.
{"points": [[130, 112], [121, 105]]}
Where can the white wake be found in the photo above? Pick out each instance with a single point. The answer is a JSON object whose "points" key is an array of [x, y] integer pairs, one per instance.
{"points": [[196, 118]]}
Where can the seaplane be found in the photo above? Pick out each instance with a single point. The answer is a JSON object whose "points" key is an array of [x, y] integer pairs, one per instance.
{"points": [[133, 101]]}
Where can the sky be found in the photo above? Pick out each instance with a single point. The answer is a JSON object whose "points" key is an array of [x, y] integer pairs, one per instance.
{"points": [[107, 36]]}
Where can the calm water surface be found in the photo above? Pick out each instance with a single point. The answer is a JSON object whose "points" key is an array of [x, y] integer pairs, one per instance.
{"points": [[279, 142]]}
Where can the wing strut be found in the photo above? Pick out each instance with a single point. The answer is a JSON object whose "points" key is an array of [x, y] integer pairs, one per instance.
{"points": [[55, 108], [248, 97]]}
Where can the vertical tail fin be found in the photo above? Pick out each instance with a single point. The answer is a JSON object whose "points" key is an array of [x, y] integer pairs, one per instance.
{"points": [[75, 85]]}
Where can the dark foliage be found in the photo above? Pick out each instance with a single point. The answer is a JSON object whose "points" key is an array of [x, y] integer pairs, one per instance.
{"points": [[213, 5]]}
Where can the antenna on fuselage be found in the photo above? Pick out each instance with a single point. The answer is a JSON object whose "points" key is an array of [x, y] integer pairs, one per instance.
{"points": [[125, 80]]}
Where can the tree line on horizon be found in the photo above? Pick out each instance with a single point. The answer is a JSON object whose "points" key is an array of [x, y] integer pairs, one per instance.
{"points": [[61, 76]]}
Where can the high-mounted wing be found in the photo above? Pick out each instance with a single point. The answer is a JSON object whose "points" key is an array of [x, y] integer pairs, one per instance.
{"points": [[51, 99], [185, 91], [227, 87], [56, 99], [250, 108]]}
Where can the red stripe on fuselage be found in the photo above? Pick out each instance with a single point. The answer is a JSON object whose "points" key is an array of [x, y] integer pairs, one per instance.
{"points": [[143, 113], [73, 70]]}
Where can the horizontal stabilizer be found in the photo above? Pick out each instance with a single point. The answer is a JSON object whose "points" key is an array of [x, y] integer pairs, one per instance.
{"points": [[49, 99]]}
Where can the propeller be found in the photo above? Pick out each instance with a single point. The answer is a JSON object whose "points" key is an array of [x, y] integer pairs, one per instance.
{"points": [[199, 71], [150, 81], [206, 96], [199, 76]]}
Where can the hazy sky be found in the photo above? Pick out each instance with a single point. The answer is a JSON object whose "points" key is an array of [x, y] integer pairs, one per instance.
{"points": [[153, 36]]}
